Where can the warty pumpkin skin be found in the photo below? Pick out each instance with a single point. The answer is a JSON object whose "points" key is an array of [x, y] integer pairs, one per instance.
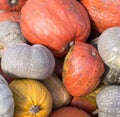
{"points": [[32, 99], [108, 101], [69, 112], [55, 23], [104, 13], [23, 60], [82, 70], [10, 35], [6, 99], [60, 95], [11, 5]]}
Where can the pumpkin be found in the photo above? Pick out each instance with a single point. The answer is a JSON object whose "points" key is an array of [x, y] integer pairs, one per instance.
{"points": [[31, 98], [69, 112], [14, 16], [60, 95], [11, 5], [109, 47], [10, 35], [108, 101], [23, 60], [55, 23], [82, 70], [103, 13], [6, 99]]}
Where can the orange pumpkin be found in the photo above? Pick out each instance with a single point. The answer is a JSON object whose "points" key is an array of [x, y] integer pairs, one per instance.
{"points": [[11, 5], [69, 112], [55, 23], [82, 69], [104, 13]]}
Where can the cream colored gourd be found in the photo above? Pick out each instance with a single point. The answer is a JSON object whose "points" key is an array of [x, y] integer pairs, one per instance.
{"points": [[10, 34], [60, 95], [32, 99], [6, 99], [26, 61]]}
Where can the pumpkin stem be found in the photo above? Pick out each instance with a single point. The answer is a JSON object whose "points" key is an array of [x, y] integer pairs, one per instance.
{"points": [[34, 109], [13, 2]]}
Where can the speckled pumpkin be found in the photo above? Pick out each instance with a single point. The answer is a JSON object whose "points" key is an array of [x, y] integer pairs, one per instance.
{"points": [[32, 99]]}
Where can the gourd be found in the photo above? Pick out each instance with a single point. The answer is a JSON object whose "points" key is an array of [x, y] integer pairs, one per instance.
{"points": [[108, 101], [103, 13], [23, 60], [69, 112], [31, 98], [6, 99], [10, 35], [60, 95], [82, 70], [109, 47], [55, 23], [11, 5]]}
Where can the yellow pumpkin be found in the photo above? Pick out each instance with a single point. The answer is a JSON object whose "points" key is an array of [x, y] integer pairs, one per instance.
{"points": [[32, 99]]}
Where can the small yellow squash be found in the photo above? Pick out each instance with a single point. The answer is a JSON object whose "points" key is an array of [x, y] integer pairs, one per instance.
{"points": [[32, 99]]}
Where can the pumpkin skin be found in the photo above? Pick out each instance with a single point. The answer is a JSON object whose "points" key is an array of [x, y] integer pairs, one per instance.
{"points": [[104, 13], [109, 47], [108, 101], [60, 95], [82, 69], [6, 99], [11, 5], [10, 35], [54, 28], [69, 112], [23, 60], [31, 98]]}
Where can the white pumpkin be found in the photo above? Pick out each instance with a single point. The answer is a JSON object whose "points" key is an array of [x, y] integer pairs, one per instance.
{"points": [[6, 99]]}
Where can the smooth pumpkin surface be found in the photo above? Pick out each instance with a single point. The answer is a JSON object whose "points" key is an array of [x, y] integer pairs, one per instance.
{"points": [[69, 112], [6, 99], [108, 101], [11, 5], [60, 95], [82, 69], [23, 60], [104, 13], [32, 99], [55, 23]]}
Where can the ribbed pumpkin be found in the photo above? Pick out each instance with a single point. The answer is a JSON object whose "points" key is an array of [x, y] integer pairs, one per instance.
{"points": [[104, 13], [60, 95], [6, 99], [23, 60], [11, 5], [82, 70], [10, 35], [55, 23], [108, 101], [69, 112], [32, 99]]}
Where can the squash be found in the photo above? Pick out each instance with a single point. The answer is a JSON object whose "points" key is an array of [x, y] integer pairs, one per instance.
{"points": [[10, 35], [6, 99], [108, 101], [55, 23], [69, 112], [103, 13], [23, 60], [82, 70], [13, 16], [31, 98], [60, 95], [109, 47], [11, 5]]}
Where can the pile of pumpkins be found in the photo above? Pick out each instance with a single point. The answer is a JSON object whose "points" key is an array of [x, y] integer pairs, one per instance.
{"points": [[59, 58]]}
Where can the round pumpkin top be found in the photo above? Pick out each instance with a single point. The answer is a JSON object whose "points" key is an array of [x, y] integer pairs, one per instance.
{"points": [[69, 112]]}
